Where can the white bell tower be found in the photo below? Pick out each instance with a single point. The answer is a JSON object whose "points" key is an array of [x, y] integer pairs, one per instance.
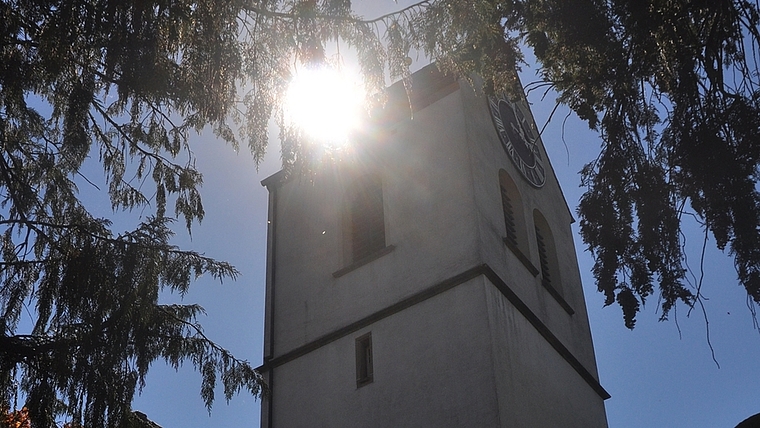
{"points": [[431, 279]]}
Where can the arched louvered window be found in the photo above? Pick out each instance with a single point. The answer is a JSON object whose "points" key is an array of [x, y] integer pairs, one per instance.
{"points": [[516, 232], [547, 253], [548, 261], [509, 217], [512, 208]]}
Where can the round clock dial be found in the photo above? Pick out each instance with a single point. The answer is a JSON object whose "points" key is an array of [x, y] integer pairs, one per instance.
{"points": [[518, 138]]}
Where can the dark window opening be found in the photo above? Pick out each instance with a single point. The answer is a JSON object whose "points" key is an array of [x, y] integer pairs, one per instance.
{"points": [[364, 373], [367, 225]]}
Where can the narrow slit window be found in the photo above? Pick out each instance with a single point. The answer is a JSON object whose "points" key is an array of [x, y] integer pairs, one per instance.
{"points": [[364, 372]]}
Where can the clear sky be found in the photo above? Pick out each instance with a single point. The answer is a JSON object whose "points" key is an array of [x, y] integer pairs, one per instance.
{"points": [[657, 376]]}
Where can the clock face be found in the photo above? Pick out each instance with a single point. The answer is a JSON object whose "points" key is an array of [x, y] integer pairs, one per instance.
{"points": [[518, 138]]}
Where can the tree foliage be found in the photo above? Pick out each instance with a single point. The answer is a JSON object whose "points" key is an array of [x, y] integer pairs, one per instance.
{"points": [[122, 83], [671, 86]]}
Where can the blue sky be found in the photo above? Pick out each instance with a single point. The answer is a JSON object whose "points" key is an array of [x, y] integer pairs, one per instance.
{"points": [[657, 376]]}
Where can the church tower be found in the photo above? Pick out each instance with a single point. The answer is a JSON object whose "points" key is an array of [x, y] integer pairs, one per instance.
{"points": [[430, 280]]}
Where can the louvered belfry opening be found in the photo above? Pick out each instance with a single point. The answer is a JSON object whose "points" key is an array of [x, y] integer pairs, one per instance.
{"points": [[516, 236], [509, 217], [543, 257], [367, 218]]}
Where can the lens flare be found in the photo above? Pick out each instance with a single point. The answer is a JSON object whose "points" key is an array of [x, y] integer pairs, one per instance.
{"points": [[325, 103]]}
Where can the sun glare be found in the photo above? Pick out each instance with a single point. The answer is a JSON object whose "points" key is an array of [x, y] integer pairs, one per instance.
{"points": [[325, 103]]}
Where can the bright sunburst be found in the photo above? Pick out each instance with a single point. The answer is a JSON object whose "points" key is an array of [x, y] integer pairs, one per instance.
{"points": [[325, 103]]}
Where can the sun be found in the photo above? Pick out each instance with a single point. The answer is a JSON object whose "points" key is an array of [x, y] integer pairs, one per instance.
{"points": [[325, 103]]}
